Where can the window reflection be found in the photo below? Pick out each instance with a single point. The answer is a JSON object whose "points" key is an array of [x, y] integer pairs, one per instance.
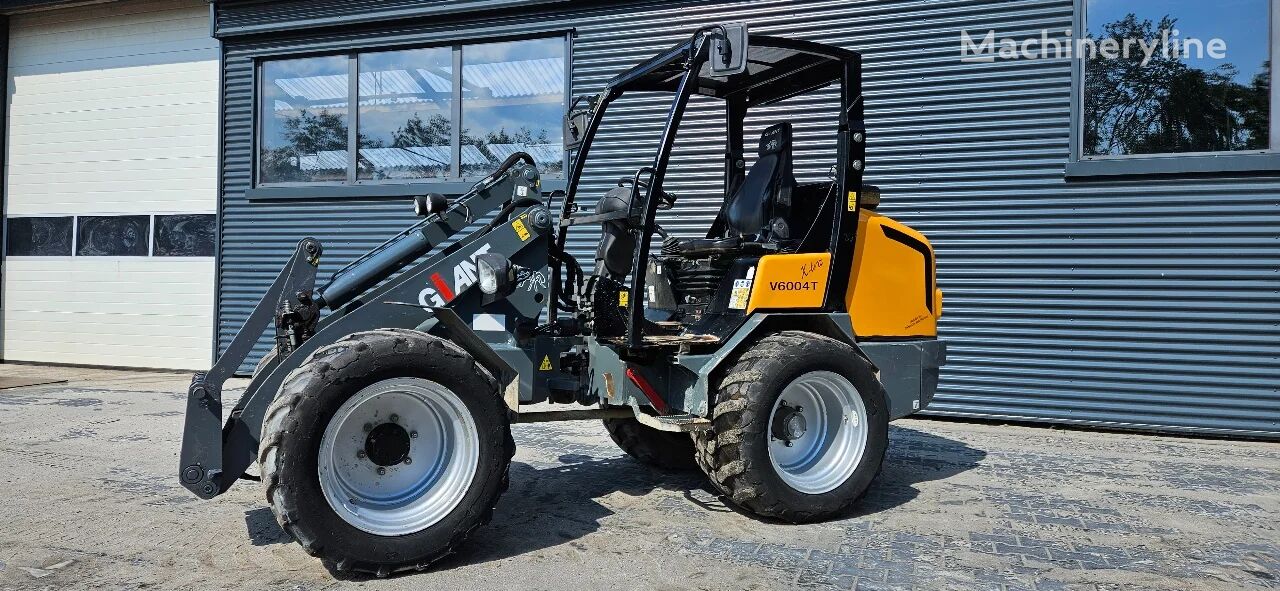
{"points": [[1177, 97], [304, 120], [405, 120], [512, 101]]}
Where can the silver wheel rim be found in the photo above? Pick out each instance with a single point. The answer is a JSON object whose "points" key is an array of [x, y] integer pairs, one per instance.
{"points": [[438, 466], [833, 432]]}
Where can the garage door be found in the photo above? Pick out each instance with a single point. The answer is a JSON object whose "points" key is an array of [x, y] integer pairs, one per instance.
{"points": [[110, 186]]}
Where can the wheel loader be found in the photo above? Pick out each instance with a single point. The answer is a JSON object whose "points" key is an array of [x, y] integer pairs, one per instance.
{"points": [[771, 351]]}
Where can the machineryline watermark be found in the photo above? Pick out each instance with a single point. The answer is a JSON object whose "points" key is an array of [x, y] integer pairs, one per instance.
{"points": [[987, 48]]}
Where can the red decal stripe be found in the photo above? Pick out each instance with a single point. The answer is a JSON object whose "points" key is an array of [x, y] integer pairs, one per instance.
{"points": [[442, 287]]}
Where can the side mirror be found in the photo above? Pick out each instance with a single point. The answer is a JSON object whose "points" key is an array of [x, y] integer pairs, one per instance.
{"points": [[729, 50], [575, 126], [496, 276]]}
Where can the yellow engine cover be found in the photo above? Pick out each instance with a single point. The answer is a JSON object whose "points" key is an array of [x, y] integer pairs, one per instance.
{"points": [[790, 281], [892, 292]]}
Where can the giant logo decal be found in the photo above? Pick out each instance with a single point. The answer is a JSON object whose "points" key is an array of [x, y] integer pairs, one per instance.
{"points": [[440, 293]]}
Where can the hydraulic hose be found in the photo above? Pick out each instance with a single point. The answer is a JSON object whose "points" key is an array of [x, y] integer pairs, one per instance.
{"points": [[379, 264]]}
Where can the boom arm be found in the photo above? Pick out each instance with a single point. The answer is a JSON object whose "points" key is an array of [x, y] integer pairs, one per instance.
{"points": [[215, 455]]}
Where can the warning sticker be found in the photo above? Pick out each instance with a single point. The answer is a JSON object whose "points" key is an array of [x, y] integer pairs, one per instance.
{"points": [[853, 201], [740, 294], [546, 364], [520, 229], [623, 298]]}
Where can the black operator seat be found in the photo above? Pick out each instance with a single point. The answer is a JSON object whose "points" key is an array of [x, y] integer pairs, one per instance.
{"points": [[763, 197], [767, 187]]}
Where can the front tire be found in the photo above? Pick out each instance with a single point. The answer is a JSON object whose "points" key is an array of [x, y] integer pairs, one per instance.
{"points": [[384, 451], [799, 428]]}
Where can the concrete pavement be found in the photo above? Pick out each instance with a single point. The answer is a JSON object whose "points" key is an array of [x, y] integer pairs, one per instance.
{"points": [[91, 500]]}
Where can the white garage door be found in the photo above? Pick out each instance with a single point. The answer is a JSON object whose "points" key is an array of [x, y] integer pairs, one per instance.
{"points": [[110, 186]]}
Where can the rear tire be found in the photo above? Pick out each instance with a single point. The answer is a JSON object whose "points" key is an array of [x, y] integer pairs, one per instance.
{"points": [[267, 357], [400, 515], [822, 466], [660, 449]]}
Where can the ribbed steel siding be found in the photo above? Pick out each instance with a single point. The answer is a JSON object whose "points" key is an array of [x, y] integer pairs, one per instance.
{"points": [[1150, 303], [258, 17]]}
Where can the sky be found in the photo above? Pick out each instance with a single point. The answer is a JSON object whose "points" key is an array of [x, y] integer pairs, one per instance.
{"points": [[1243, 24]]}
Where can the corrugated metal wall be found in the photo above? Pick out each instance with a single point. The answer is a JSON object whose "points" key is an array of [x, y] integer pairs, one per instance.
{"points": [[1150, 303]]}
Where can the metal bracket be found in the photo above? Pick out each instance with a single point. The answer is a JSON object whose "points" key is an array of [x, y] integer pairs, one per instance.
{"points": [[685, 423], [200, 464]]}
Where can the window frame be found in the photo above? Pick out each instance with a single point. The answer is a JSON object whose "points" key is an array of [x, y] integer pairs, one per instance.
{"points": [[1082, 166], [353, 186]]}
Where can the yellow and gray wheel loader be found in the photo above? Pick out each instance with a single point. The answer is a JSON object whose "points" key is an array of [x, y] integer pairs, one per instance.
{"points": [[771, 352]]}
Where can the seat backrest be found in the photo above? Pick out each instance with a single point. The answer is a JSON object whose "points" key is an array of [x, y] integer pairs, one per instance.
{"points": [[768, 184]]}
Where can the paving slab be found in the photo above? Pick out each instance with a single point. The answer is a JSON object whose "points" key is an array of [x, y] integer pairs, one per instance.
{"points": [[91, 500]]}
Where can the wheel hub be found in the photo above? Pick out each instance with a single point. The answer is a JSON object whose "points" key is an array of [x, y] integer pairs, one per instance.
{"points": [[818, 432], [398, 456], [387, 445], [789, 423]]}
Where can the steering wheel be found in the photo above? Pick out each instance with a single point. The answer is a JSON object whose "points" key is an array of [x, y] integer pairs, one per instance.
{"points": [[666, 200]]}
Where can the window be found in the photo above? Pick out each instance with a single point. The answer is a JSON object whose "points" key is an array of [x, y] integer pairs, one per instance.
{"points": [[1176, 77], [175, 235], [304, 125], [437, 113], [112, 236], [512, 101], [406, 114], [184, 235], [39, 236]]}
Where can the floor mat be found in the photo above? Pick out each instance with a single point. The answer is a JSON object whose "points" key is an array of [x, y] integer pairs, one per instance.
{"points": [[19, 381]]}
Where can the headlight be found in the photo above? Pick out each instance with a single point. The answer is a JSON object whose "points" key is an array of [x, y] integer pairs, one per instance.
{"points": [[488, 276], [495, 274], [425, 205]]}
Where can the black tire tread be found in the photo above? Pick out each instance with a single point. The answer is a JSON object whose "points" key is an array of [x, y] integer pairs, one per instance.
{"points": [[294, 389], [737, 392], [660, 449]]}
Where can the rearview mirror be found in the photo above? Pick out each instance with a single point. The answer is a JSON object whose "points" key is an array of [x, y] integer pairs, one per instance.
{"points": [[576, 122], [729, 50]]}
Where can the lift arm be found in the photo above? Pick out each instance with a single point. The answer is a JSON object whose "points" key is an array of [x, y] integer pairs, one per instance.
{"points": [[214, 455]]}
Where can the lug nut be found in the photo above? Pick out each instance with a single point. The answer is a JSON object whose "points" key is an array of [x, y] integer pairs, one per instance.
{"points": [[360, 453], [381, 470], [408, 460], [413, 434], [395, 418]]}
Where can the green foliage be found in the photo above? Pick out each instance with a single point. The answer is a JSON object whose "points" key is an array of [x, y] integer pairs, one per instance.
{"points": [[523, 135], [308, 134], [435, 131], [1167, 106]]}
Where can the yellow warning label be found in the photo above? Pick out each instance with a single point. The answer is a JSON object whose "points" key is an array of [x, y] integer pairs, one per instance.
{"points": [[853, 201], [623, 298], [520, 229], [739, 294], [546, 363]]}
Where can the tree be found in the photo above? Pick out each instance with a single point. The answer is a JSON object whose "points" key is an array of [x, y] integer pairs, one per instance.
{"points": [[435, 131], [308, 134], [1165, 105], [523, 135]]}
